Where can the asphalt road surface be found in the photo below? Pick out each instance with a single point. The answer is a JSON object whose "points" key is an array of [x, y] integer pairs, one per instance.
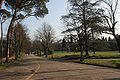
{"points": [[36, 68]]}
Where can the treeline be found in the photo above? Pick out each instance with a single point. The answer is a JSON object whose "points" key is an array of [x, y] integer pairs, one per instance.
{"points": [[20, 42], [44, 40], [71, 44], [16, 11], [85, 21]]}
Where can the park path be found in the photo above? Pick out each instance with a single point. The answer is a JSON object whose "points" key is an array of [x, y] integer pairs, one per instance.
{"points": [[20, 70], [35, 68]]}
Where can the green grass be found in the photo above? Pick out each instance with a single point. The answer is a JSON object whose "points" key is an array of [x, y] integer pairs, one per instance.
{"points": [[106, 54], [60, 54], [98, 55], [109, 59], [115, 63]]}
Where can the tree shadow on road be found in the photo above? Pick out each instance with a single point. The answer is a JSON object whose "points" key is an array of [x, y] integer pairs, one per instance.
{"points": [[113, 79], [25, 62], [13, 75], [66, 70]]}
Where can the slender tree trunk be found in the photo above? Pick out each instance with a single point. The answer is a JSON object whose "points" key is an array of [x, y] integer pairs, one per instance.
{"points": [[86, 43], [1, 43], [81, 48], [11, 40], [1, 2], [93, 39], [9, 36], [46, 54], [85, 30], [81, 51], [15, 48]]}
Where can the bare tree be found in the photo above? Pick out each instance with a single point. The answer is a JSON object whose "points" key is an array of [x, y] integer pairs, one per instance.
{"points": [[36, 47], [21, 9], [84, 18], [109, 14], [21, 41], [46, 35]]}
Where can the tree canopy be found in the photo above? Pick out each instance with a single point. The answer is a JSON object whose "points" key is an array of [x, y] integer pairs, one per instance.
{"points": [[21, 9]]}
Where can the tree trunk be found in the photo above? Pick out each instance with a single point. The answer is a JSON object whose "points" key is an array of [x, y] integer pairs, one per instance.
{"points": [[118, 41], [1, 2], [85, 31], [11, 40], [46, 55], [45, 52], [81, 56], [81, 48], [1, 43], [116, 38], [93, 39], [9, 36]]}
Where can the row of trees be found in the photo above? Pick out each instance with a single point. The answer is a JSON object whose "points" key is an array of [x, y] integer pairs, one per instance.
{"points": [[87, 19], [19, 10], [100, 44], [20, 42]]}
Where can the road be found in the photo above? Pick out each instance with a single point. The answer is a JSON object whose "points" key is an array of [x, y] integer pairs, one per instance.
{"points": [[36, 68]]}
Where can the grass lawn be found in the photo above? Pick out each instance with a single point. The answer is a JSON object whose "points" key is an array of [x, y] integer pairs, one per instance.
{"points": [[98, 55], [60, 54], [109, 59], [115, 63], [109, 54]]}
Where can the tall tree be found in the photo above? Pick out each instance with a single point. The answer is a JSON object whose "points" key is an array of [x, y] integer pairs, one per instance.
{"points": [[110, 15], [4, 15], [21, 9], [20, 39], [46, 36], [84, 18]]}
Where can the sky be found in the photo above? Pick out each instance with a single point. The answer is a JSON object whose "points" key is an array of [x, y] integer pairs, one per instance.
{"points": [[56, 8]]}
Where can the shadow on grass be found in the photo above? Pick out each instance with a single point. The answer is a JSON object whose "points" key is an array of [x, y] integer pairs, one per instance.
{"points": [[113, 79], [76, 59], [103, 57], [116, 67], [65, 58]]}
